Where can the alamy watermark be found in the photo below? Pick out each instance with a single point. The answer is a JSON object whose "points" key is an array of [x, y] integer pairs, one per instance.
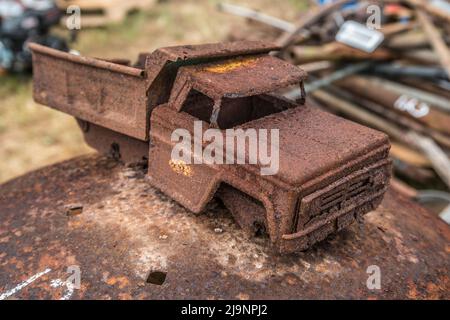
{"points": [[73, 21], [73, 282], [374, 20], [374, 280], [413, 106], [230, 146]]}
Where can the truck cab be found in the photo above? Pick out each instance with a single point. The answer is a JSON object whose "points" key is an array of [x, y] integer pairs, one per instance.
{"points": [[331, 171]]}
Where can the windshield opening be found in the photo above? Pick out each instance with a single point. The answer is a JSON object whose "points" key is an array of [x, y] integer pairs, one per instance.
{"points": [[235, 111]]}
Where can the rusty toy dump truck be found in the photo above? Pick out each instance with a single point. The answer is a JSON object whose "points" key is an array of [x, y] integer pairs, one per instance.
{"points": [[330, 173]]}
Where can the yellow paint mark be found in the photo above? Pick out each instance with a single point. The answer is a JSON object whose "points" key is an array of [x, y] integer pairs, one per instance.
{"points": [[230, 65], [181, 167]]}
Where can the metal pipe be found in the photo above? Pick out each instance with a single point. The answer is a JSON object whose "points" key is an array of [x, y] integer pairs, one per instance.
{"points": [[257, 16]]}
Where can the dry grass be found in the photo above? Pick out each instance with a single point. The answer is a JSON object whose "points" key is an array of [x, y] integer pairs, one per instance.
{"points": [[32, 136]]}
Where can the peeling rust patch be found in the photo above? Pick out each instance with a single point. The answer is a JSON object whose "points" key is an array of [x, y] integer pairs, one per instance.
{"points": [[181, 167]]}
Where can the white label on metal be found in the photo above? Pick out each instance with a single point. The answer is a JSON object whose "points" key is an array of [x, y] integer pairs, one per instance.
{"points": [[359, 36], [440, 4]]}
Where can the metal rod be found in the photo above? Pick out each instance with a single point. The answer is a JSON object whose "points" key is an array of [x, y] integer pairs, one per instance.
{"points": [[439, 45], [394, 69], [339, 74], [438, 158], [433, 99], [257, 16], [37, 48], [310, 18]]}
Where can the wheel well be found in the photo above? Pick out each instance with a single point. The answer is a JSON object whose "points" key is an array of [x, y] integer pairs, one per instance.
{"points": [[248, 212]]}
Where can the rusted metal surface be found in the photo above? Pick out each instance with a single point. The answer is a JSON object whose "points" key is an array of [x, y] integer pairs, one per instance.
{"points": [[129, 236], [101, 92], [331, 170], [113, 144]]}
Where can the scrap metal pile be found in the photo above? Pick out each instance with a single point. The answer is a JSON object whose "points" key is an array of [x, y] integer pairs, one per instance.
{"points": [[385, 64], [23, 22]]}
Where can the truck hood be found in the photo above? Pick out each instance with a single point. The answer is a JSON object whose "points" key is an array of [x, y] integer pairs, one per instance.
{"points": [[313, 143]]}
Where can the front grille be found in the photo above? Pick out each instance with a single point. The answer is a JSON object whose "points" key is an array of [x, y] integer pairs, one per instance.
{"points": [[336, 199], [354, 189]]}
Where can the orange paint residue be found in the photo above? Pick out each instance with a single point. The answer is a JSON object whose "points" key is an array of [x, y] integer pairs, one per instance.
{"points": [[230, 65]]}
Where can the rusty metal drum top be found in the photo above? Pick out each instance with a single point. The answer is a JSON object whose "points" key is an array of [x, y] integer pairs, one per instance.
{"points": [[127, 233]]}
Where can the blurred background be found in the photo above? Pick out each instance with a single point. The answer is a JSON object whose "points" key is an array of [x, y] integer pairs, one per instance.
{"points": [[384, 64]]}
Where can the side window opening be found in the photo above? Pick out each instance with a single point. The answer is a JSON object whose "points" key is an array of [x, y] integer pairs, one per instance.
{"points": [[237, 111], [198, 105]]}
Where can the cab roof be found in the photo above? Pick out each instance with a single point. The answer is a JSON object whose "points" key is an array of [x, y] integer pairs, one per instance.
{"points": [[236, 77], [161, 58]]}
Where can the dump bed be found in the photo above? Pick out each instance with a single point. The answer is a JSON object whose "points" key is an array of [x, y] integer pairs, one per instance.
{"points": [[116, 96], [107, 94]]}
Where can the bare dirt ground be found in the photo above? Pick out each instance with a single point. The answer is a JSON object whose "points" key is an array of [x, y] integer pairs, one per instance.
{"points": [[32, 136]]}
